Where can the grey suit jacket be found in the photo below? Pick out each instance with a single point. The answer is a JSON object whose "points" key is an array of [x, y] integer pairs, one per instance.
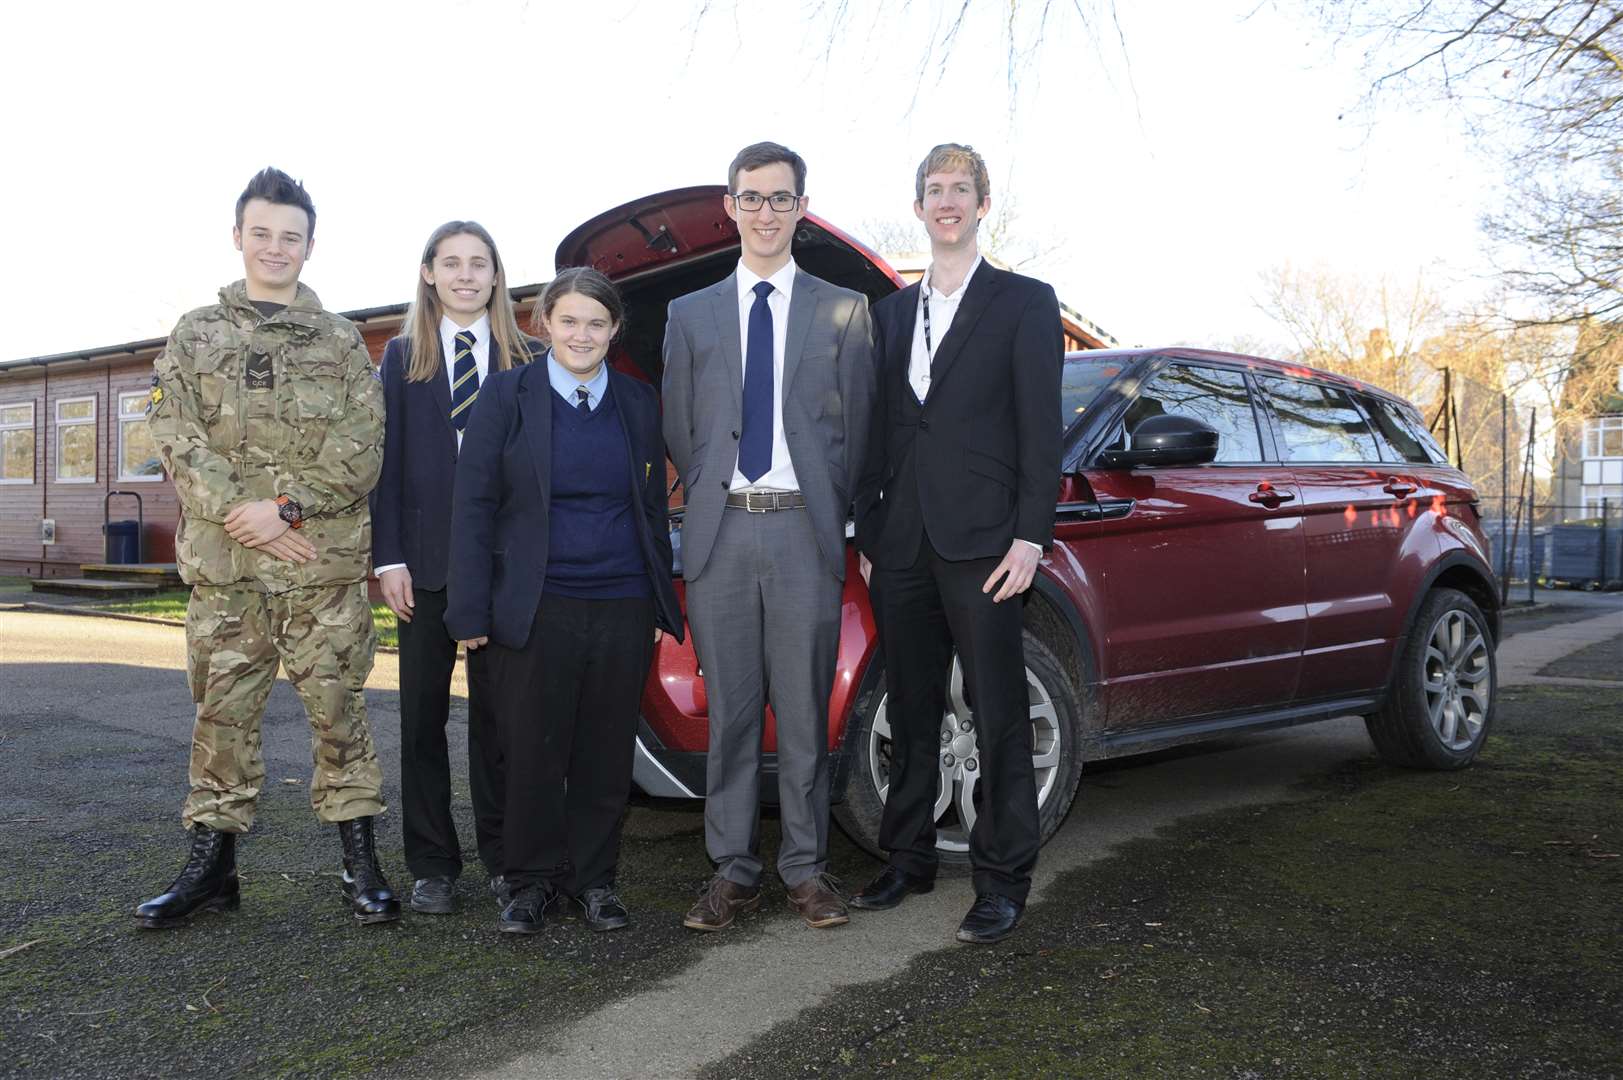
{"points": [[826, 401]]}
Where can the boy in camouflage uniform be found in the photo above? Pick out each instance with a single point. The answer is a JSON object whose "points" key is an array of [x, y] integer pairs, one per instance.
{"points": [[269, 418]]}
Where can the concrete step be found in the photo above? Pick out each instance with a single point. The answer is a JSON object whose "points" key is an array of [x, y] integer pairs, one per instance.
{"points": [[165, 575], [101, 588]]}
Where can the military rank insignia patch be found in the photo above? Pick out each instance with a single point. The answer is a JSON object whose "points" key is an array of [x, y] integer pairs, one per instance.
{"points": [[155, 396]]}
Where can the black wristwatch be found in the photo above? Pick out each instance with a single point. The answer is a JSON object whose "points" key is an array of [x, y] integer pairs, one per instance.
{"points": [[290, 512]]}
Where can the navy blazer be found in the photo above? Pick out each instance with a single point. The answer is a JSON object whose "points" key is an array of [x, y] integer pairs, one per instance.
{"points": [[411, 506], [499, 522]]}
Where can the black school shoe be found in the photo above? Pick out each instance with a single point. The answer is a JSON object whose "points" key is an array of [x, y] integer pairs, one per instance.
{"points": [[526, 912], [889, 888], [991, 919], [433, 895], [602, 909]]}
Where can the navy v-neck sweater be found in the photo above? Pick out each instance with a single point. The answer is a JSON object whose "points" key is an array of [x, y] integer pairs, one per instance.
{"points": [[592, 547]]}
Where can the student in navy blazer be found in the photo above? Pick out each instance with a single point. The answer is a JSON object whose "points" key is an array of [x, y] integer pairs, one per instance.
{"points": [[560, 571], [460, 328]]}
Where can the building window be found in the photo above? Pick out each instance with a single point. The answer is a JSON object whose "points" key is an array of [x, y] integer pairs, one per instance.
{"points": [[17, 443], [137, 452], [76, 440], [1607, 499], [1603, 437]]}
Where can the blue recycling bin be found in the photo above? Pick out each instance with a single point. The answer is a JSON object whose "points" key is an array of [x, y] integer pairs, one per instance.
{"points": [[123, 542]]}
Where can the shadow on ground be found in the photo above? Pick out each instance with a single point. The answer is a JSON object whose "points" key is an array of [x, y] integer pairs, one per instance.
{"points": [[1392, 923]]}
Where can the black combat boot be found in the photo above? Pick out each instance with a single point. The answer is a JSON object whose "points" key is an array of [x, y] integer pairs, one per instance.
{"points": [[207, 883], [365, 887]]}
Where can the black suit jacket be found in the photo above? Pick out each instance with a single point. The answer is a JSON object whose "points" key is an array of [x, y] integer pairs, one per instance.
{"points": [[499, 509], [411, 506], [978, 463]]}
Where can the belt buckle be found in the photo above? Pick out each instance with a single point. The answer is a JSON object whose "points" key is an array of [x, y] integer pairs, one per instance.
{"points": [[749, 502]]}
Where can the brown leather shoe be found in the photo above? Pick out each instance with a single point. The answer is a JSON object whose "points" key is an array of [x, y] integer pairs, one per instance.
{"points": [[819, 902], [720, 902]]}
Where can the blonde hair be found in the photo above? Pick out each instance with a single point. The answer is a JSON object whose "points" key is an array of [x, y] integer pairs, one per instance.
{"points": [[954, 157], [422, 325]]}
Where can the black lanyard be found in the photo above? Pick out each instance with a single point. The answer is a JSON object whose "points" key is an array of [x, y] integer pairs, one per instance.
{"points": [[928, 347]]}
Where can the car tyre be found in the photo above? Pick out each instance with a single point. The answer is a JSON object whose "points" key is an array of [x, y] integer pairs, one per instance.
{"points": [[1057, 757], [1440, 706]]}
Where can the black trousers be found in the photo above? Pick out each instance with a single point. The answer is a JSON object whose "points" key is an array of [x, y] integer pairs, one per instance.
{"points": [[566, 705], [427, 658], [922, 612]]}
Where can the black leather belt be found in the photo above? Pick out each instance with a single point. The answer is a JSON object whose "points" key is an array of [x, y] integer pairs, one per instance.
{"points": [[759, 502]]}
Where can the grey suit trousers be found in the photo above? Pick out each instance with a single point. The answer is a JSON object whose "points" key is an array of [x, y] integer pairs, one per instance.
{"points": [[765, 616]]}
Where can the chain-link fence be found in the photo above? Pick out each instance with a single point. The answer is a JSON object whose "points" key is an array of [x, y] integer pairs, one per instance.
{"points": [[1547, 526]]}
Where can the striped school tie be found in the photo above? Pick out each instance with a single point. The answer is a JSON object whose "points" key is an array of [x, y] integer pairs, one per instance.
{"points": [[464, 380]]}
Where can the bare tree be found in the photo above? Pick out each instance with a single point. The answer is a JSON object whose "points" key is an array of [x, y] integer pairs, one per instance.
{"points": [[1540, 83], [1028, 30]]}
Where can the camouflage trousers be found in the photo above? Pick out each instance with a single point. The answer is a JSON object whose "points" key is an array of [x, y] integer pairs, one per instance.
{"points": [[236, 637]]}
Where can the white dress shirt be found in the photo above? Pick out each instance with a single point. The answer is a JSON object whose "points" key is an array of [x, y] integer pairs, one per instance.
{"points": [[481, 351], [781, 476], [481, 361], [943, 309]]}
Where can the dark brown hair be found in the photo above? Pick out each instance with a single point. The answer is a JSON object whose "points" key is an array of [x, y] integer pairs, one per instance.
{"points": [[761, 154], [590, 283], [275, 186]]}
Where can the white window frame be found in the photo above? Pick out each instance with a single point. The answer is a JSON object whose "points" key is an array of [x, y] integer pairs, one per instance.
{"points": [[33, 413], [1595, 439], [91, 422], [123, 421]]}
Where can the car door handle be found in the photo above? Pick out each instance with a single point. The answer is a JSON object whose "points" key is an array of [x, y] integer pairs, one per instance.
{"points": [[1397, 488], [1266, 493]]}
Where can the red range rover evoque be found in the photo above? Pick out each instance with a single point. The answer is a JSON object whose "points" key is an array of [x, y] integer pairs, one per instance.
{"points": [[1238, 544]]}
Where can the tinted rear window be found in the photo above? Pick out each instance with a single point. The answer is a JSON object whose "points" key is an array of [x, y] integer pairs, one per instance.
{"points": [[1319, 422], [1401, 432]]}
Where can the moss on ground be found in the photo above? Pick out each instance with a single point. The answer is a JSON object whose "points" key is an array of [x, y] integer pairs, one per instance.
{"points": [[1390, 923]]}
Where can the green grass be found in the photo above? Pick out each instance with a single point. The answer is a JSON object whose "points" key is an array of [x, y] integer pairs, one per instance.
{"points": [[1393, 923], [172, 605]]}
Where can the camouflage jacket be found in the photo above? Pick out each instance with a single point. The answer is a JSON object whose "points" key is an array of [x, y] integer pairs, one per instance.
{"points": [[246, 407]]}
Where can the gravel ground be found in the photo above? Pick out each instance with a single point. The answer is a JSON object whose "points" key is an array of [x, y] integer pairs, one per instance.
{"points": [[1393, 923]]}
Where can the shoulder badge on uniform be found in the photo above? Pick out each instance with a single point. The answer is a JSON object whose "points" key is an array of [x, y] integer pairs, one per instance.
{"points": [[155, 396]]}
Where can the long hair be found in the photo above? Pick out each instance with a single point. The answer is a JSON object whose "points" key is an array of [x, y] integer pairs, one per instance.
{"points": [[422, 325]]}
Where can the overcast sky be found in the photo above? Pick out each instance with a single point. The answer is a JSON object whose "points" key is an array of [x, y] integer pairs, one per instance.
{"points": [[1172, 173]]}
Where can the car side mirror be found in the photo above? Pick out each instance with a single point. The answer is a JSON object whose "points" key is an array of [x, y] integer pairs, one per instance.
{"points": [[1164, 440]]}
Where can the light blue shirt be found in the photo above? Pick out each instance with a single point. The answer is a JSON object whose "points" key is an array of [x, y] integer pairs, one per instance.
{"points": [[565, 383]]}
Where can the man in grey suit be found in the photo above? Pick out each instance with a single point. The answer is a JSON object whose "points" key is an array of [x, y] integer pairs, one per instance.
{"points": [[769, 383]]}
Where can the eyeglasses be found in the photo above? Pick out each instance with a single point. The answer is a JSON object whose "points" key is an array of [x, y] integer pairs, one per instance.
{"points": [[782, 202]]}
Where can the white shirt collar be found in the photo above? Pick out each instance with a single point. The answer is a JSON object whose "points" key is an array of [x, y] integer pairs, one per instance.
{"points": [[952, 297], [780, 281], [449, 330]]}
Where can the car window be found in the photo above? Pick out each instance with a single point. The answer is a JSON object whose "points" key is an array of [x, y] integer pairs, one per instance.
{"points": [[1319, 422], [1215, 396], [1397, 432], [1080, 382]]}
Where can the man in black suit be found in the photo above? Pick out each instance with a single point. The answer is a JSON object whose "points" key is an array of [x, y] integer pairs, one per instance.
{"points": [[955, 507]]}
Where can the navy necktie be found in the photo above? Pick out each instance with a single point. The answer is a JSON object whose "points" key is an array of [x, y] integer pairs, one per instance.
{"points": [[755, 443], [583, 401], [464, 380]]}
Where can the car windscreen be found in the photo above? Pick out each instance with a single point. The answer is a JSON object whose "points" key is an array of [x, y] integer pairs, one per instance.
{"points": [[1080, 382]]}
